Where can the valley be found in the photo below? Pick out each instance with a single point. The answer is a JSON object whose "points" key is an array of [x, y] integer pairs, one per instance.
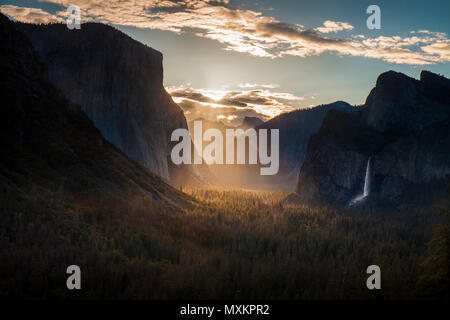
{"points": [[88, 178]]}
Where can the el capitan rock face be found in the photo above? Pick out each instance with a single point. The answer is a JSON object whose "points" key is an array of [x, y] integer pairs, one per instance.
{"points": [[53, 147], [118, 82], [403, 127]]}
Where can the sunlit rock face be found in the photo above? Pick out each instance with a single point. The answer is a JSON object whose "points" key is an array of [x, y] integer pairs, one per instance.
{"points": [[404, 127], [118, 82]]}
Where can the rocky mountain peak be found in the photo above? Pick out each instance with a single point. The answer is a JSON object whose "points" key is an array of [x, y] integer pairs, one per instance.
{"points": [[399, 104], [392, 78], [430, 77]]}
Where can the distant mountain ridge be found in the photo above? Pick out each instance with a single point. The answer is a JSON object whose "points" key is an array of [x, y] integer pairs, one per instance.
{"points": [[403, 127], [296, 127], [247, 123], [118, 82], [251, 122]]}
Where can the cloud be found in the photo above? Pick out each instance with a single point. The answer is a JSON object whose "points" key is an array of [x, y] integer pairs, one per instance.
{"points": [[256, 85], [256, 34], [228, 115], [33, 15], [233, 105], [440, 48], [334, 26]]}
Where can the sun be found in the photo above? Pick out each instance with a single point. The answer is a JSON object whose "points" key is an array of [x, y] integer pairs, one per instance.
{"points": [[214, 94]]}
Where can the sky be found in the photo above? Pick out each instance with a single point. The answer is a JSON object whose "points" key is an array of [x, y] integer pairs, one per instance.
{"points": [[227, 59]]}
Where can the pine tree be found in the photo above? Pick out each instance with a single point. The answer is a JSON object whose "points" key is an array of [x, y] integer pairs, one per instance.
{"points": [[435, 280]]}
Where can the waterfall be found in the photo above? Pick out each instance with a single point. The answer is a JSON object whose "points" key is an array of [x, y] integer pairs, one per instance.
{"points": [[366, 189], [367, 180]]}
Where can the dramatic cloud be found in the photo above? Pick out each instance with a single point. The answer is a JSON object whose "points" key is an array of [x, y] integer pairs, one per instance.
{"points": [[232, 105], [252, 32]]}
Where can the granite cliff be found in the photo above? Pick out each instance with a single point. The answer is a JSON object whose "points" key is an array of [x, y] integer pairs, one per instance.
{"points": [[403, 127], [118, 82]]}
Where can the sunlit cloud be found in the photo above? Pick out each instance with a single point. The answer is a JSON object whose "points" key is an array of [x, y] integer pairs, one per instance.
{"points": [[34, 15], [440, 48], [252, 32], [233, 105], [258, 85], [334, 26]]}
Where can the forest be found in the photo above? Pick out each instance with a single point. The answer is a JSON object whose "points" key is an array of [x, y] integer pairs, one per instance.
{"points": [[232, 244]]}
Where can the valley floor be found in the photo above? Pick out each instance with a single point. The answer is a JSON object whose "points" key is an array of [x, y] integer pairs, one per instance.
{"points": [[233, 245]]}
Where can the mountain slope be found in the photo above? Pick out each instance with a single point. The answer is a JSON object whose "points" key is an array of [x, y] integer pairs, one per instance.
{"points": [[118, 82]]}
